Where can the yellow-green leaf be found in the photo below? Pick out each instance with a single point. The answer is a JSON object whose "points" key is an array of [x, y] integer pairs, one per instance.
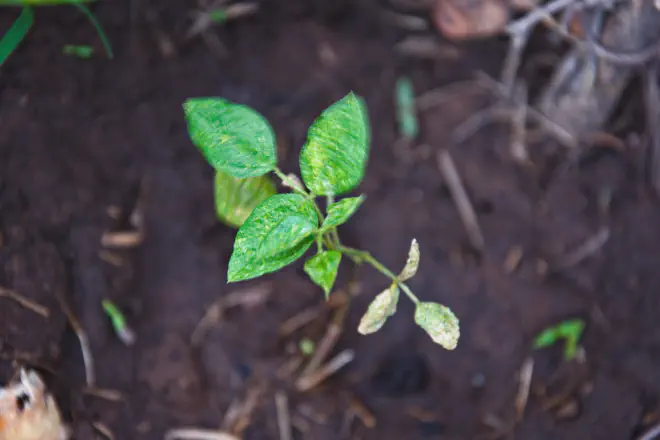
{"points": [[412, 263], [334, 158], [322, 269], [339, 212], [439, 322], [381, 308], [235, 198], [233, 138]]}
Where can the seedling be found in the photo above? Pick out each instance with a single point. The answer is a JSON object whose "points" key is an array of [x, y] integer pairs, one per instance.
{"points": [[307, 347], [122, 329], [405, 104], [19, 29], [82, 52], [277, 229], [570, 331]]}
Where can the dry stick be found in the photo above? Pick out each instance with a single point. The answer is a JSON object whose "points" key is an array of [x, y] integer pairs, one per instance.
{"points": [[436, 97], [526, 372], [652, 97], [652, 433], [519, 32], [461, 199], [584, 251], [88, 359], [283, 416], [103, 430], [197, 434], [478, 120], [306, 383], [519, 124], [564, 100], [122, 239], [553, 128], [328, 342], [28, 304]]}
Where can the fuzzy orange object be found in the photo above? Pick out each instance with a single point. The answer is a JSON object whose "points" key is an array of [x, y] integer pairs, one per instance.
{"points": [[28, 412]]}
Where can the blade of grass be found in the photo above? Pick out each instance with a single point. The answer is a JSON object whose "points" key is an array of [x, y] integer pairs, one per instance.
{"points": [[41, 2], [104, 39], [16, 33]]}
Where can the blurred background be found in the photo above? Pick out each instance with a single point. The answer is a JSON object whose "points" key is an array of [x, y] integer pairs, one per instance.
{"points": [[104, 197]]}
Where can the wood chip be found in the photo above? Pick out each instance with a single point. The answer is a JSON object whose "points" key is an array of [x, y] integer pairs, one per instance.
{"points": [[122, 239]]}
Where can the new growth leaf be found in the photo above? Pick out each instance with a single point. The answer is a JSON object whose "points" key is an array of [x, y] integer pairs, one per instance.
{"points": [[322, 269]]}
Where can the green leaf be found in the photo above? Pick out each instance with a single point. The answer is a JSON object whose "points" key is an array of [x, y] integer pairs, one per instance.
{"points": [[233, 138], [412, 263], [16, 33], [99, 29], [439, 322], [307, 347], [405, 100], [546, 338], [340, 211], [570, 331], [381, 308], [322, 269], [333, 160], [235, 198], [42, 2], [83, 52], [276, 233]]}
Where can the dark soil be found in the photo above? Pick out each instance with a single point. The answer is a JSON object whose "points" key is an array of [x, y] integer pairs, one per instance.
{"points": [[78, 137]]}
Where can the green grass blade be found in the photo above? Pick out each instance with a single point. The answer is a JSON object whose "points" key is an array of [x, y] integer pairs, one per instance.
{"points": [[104, 38], [16, 33], [41, 2]]}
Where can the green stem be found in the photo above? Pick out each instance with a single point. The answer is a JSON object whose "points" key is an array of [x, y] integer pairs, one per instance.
{"points": [[359, 257], [291, 183], [296, 188]]}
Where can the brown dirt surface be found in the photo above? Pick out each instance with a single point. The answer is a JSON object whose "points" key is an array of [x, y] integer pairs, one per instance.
{"points": [[80, 138]]}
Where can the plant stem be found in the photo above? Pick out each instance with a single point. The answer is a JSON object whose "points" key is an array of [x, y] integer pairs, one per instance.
{"points": [[359, 256], [300, 190], [290, 183]]}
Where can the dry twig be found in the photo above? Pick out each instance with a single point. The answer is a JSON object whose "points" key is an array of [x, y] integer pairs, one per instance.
{"points": [[461, 199], [23, 301], [283, 416], [522, 397], [306, 383], [198, 434]]}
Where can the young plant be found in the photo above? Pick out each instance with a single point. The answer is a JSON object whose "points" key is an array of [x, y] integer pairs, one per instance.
{"points": [[570, 331], [277, 229], [19, 29]]}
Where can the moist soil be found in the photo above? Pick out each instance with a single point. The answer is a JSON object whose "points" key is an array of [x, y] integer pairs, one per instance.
{"points": [[83, 142]]}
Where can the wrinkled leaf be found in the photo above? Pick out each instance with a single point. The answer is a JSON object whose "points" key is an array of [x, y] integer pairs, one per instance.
{"points": [[235, 198], [412, 263], [275, 234], [339, 212], [333, 159], [322, 269], [381, 308], [233, 138], [16, 33], [439, 322]]}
